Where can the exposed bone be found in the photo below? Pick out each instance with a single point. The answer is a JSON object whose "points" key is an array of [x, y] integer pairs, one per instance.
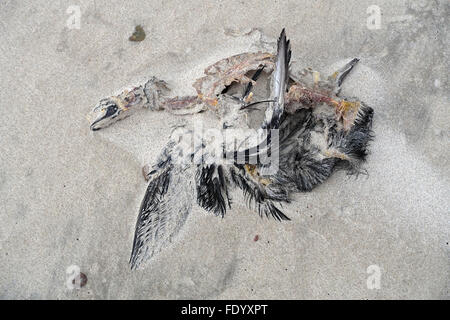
{"points": [[307, 94], [226, 71], [184, 105]]}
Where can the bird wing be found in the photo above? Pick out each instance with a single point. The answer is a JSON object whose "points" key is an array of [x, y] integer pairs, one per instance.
{"points": [[313, 145], [164, 209], [257, 194], [275, 109], [245, 173], [212, 188], [279, 83]]}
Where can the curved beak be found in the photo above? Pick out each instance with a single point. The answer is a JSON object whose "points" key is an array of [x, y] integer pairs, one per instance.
{"points": [[114, 108], [94, 124], [102, 117]]}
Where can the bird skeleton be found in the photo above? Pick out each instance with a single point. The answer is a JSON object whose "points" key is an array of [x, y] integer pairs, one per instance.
{"points": [[307, 132]]}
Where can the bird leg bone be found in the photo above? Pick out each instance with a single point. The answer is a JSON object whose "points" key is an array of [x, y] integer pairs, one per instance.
{"points": [[334, 153]]}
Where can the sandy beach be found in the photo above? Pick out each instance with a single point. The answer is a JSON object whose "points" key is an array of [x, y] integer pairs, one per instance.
{"points": [[70, 196]]}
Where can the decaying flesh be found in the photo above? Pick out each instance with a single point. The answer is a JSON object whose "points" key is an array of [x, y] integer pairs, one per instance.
{"points": [[346, 111], [310, 91], [226, 71], [124, 104], [155, 93]]}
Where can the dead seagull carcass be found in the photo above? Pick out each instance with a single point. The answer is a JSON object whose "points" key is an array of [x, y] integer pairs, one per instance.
{"points": [[308, 130]]}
